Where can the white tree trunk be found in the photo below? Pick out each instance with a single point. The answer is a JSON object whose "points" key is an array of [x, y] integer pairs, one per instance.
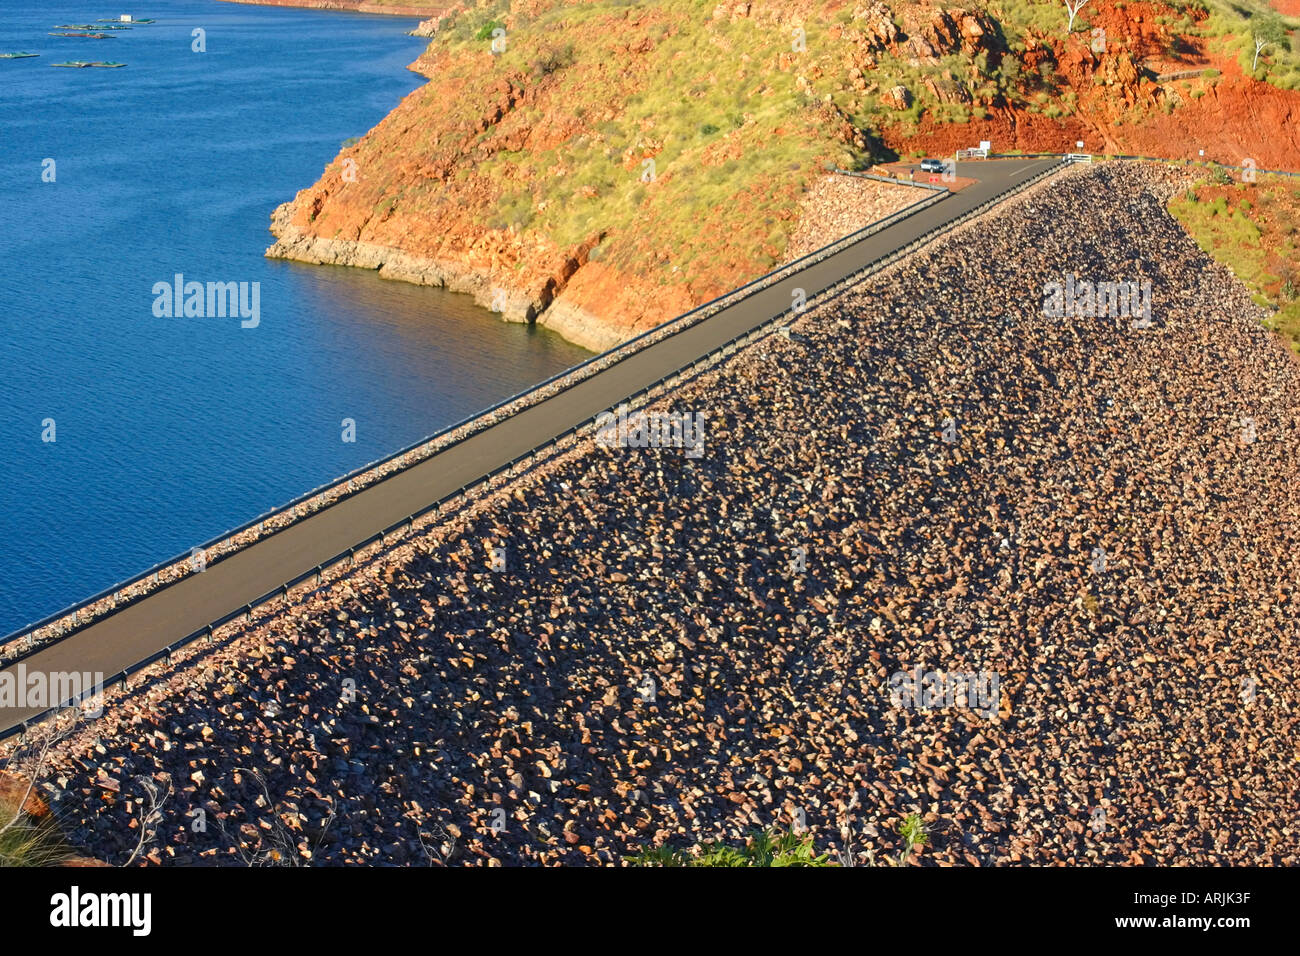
{"points": [[1073, 9]]}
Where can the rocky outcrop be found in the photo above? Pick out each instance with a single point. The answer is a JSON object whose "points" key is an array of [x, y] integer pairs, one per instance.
{"points": [[962, 31], [391, 262], [498, 178], [550, 302], [947, 88], [877, 23], [427, 28], [898, 97]]}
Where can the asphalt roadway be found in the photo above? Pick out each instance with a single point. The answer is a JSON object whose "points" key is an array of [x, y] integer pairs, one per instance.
{"points": [[169, 614]]}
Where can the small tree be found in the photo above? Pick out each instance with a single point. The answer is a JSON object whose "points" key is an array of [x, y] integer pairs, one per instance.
{"points": [[1268, 30], [1073, 7]]}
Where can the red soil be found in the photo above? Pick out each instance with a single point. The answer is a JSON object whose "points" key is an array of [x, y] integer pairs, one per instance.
{"points": [[1121, 110]]}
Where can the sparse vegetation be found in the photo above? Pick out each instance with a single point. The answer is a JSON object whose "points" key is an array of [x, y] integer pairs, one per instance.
{"points": [[1219, 176], [1252, 229], [765, 848], [1236, 24], [914, 833], [713, 144], [28, 841], [779, 848], [29, 833], [552, 136]]}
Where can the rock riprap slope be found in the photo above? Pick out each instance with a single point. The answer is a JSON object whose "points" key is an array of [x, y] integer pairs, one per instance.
{"points": [[1102, 517]]}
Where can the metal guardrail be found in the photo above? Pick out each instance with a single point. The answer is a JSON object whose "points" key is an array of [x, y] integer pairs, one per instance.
{"points": [[727, 349], [1183, 74], [1208, 163], [1126, 157], [888, 179]]}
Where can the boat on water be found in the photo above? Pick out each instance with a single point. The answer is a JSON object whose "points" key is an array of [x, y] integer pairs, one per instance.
{"points": [[82, 64], [88, 36], [16, 56], [90, 26]]}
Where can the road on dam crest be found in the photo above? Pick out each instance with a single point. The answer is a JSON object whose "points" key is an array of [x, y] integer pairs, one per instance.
{"points": [[169, 614]]}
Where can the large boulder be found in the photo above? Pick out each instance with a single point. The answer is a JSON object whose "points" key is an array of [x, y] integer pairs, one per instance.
{"points": [[427, 28], [876, 20], [898, 97]]}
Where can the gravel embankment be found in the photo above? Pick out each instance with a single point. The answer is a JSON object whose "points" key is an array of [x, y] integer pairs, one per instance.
{"points": [[837, 205], [1125, 733]]}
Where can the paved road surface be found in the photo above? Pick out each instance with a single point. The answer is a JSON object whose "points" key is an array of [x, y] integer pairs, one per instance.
{"points": [[171, 613]]}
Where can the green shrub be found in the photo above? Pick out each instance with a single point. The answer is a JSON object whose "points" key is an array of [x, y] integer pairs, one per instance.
{"points": [[914, 833], [764, 848], [485, 31]]}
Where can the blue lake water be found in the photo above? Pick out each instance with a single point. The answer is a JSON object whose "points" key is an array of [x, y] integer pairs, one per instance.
{"points": [[171, 430]]}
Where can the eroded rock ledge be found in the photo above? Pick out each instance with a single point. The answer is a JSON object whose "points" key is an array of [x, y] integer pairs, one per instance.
{"points": [[547, 305]]}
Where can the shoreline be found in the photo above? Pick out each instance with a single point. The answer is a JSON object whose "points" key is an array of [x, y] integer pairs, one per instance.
{"points": [[558, 305], [570, 291], [572, 322], [513, 304]]}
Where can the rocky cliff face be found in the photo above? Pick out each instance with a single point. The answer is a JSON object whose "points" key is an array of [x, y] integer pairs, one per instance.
{"points": [[599, 167], [1117, 103]]}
